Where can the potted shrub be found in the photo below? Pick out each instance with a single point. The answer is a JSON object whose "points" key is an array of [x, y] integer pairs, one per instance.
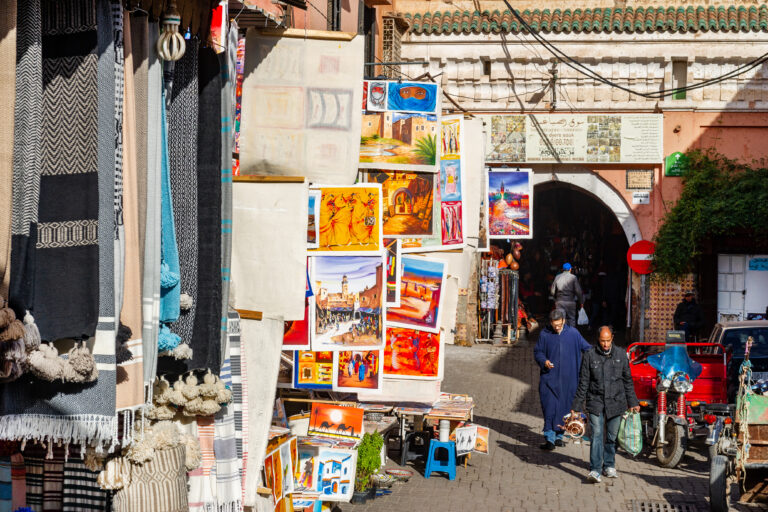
{"points": [[368, 462]]}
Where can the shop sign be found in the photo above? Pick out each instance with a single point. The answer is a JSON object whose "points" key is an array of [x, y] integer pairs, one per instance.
{"points": [[675, 164], [574, 138], [641, 197], [640, 179]]}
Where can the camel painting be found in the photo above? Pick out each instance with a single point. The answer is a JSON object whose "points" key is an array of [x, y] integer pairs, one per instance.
{"points": [[336, 421]]}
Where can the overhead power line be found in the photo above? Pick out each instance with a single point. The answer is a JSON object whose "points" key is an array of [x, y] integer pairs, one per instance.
{"points": [[588, 72]]}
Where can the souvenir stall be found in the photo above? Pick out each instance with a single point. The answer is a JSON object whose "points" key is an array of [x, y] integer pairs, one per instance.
{"points": [[121, 380]]}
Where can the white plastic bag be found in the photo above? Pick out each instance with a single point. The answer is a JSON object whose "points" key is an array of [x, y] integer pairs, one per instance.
{"points": [[583, 318]]}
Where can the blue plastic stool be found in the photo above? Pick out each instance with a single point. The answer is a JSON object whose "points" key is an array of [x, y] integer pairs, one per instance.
{"points": [[445, 465]]}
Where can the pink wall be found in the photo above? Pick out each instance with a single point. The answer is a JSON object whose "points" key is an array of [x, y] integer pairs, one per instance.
{"points": [[314, 17]]}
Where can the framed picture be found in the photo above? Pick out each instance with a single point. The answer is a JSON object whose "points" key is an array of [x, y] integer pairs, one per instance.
{"points": [[349, 220], [394, 253], [349, 302], [355, 371], [335, 475], [412, 354], [421, 291], [312, 370], [408, 202], [510, 204], [336, 421]]}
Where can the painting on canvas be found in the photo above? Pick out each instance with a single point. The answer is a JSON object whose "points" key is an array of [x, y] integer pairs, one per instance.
{"points": [[510, 204], [421, 287], [294, 453], [411, 354], [393, 246], [398, 141], [335, 478], [355, 371], [377, 96], [412, 97], [277, 483], [336, 421], [286, 468], [408, 199], [349, 220], [313, 228], [312, 370], [304, 477], [465, 438], [450, 180], [450, 139], [349, 302], [296, 332], [285, 373], [481, 445], [451, 229]]}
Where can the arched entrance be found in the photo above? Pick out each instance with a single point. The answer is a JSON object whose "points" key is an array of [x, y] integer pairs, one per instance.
{"points": [[403, 200], [580, 219]]}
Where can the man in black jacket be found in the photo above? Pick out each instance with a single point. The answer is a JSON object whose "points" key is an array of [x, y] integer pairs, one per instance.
{"points": [[606, 383], [688, 316]]}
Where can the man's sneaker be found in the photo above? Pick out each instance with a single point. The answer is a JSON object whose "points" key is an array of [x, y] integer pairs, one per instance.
{"points": [[610, 472], [593, 477]]}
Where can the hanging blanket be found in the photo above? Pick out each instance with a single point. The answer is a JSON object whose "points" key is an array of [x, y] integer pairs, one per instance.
{"points": [[239, 392], [182, 153], [7, 100], [53, 480], [34, 456], [159, 484], [18, 481], [228, 470], [28, 114], [206, 335], [6, 485], [139, 33], [81, 492], [202, 483]]}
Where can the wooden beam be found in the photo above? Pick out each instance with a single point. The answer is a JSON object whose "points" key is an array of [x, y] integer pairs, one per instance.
{"points": [[249, 315], [264, 178], [308, 34]]}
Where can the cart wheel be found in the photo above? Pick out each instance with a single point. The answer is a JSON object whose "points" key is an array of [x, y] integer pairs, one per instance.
{"points": [[670, 454], [718, 484]]}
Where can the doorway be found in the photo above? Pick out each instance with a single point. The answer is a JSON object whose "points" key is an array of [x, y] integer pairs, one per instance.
{"points": [[574, 226]]}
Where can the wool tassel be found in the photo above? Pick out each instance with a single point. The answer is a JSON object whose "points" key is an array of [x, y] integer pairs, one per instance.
{"points": [[166, 340], [31, 332]]}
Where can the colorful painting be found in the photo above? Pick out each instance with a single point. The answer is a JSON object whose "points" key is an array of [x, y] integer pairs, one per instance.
{"points": [[313, 228], [307, 505], [277, 483], [336, 421], [312, 370], [349, 302], [510, 208], [450, 180], [350, 220], [335, 478], [365, 95], [398, 141], [483, 244], [304, 476], [279, 417], [408, 199], [481, 445], [296, 332], [355, 371], [269, 475], [411, 354], [465, 438], [412, 97], [285, 372], [450, 139], [452, 232], [393, 271], [377, 96], [421, 287], [286, 468]]}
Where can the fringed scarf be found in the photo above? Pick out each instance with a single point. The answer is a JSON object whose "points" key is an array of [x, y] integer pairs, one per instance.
{"points": [[228, 470], [239, 393], [73, 268], [202, 481], [206, 335], [7, 100]]}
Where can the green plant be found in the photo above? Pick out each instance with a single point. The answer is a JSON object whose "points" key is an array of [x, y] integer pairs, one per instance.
{"points": [[368, 460], [426, 148], [720, 196]]}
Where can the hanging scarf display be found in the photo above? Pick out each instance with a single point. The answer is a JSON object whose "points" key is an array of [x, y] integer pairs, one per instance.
{"points": [[226, 443], [8, 83]]}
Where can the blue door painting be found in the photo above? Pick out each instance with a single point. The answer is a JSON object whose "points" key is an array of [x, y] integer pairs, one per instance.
{"points": [[335, 474]]}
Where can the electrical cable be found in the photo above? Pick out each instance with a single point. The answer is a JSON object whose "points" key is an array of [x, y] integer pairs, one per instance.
{"points": [[584, 70]]}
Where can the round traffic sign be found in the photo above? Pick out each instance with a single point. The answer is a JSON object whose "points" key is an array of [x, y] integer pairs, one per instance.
{"points": [[639, 256]]}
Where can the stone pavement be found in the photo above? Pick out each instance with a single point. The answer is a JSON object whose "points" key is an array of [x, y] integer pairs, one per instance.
{"points": [[517, 475]]}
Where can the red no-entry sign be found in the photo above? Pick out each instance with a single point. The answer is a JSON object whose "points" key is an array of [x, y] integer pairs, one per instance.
{"points": [[639, 256]]}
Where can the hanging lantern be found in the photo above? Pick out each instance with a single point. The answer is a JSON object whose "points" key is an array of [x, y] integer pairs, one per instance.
{"points": [[171, 44]]}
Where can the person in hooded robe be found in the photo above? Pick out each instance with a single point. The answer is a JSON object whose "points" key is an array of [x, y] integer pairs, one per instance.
{"points": [[558, 354]]}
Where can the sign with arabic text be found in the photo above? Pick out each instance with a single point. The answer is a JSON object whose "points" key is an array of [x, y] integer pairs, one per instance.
{"points": [[574, 138]]}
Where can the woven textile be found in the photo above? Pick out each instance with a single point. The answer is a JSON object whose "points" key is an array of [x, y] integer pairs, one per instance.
{"points": [[18, 481], [7, 100], [81, 492], [53, 480], [6, 486], [130, 378], [202, 481], [239, 392], [206, 335], [159, 484], [228, 470], [117, 223], [67, 249], [154, 220], [228, 63], [26, 153], [182, 153], [33, 466], [139, 30]]}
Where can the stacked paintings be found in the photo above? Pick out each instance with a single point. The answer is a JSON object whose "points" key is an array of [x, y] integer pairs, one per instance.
{"points": [[279, 468], [400, 126]]}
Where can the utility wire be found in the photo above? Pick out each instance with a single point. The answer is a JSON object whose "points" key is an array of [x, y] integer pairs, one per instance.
{"points": [[584, 70]]}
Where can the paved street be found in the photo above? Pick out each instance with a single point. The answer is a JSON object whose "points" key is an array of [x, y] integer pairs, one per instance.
{"points": [[517, 475]]}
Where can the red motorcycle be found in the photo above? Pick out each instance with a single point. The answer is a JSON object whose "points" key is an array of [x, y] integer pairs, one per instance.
{"points": [[681, 388]]}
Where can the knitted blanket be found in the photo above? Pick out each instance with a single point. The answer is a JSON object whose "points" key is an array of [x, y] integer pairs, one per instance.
{"points": [[155, 225], [28, 114], [206, 335], [182, 152], [7, 100]]}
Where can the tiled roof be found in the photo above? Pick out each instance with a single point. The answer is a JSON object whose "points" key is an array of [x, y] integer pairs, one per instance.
{"points": [[651, 19]]}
